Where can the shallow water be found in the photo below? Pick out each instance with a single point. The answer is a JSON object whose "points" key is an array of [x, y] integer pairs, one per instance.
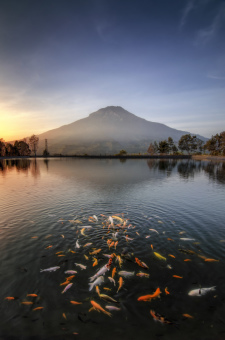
{"points": [[46, 202]]}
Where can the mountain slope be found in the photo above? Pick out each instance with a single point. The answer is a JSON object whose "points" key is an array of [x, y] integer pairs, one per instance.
{"points": [[107, 131]]}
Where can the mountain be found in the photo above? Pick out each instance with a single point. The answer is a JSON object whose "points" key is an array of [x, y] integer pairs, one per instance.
{"points": [[107, 131]]}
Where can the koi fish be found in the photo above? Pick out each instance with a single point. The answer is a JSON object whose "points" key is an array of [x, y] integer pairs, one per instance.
{"points": [[211, 260], [187, 239], [188, 316], [95, 262], [137, 233], [170, 239], [71, 272], [106, 288], [118, 259], [142, 274], [98, 308], [112, 280], [59, 252], [113, 272], [101, 271], [107, 298], [38, 308], [97, 290], [159, 317], [51, 269], [172, 256], [111, 244], [112, 308], [160, 256], [140, 263], [95, 217], [64, 315], [166, 291], [27, 302], [77, 244], [65, 283], [32, 295], [95, 252], [115, 244], [76, 303], [80, 265], [88, 244], [69, 278], [178, 277], [154, 231], [186, 260], [150, 296], [125, 273], [9, 298], [67, 287], [152, 246], [86, 257], [117, 218], [111, 220], [63, 236], [82, 232], [201, 291], [120, 283], [147, 236], [48, 247]]}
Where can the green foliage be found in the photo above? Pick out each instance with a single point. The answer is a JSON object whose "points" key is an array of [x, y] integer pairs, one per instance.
{"points": [[164, 147], [122, 153], [216, 144], [187, 143]]}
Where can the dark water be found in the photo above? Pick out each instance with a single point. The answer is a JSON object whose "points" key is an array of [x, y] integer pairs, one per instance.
{"points": [[45, 203]]}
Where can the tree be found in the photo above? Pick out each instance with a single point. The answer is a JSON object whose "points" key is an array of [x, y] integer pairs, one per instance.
{"points": [[164, 147], [151, 149], [122, 153], [216, 144], [23, 148], [46, 153], [156, 147], [171, 144], [187, 143], [2, 148], [33, 142]]}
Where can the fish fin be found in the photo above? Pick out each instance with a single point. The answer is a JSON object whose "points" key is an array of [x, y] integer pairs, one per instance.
{"points": [[91, 309], [91, 286]]}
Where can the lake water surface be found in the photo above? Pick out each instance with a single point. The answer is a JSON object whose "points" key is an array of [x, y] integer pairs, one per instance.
{"points": [[44, 205]]}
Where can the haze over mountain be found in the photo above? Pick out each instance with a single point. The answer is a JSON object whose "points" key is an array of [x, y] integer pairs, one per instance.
{"points": [[107, 131]]}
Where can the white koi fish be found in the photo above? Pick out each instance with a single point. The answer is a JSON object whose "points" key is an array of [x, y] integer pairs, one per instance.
{"points": [[112, 308], [101, 271], [98, 282], [80, 265], [112, 280], [187, 239], [77, 244], [201, 291], [154, 231], [111, 220], [67, 287], [51, 269], [95, 217], [71, 272], [125, 273]]}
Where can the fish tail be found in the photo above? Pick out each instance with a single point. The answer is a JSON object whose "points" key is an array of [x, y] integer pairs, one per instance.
{"points": [[91, 286]]}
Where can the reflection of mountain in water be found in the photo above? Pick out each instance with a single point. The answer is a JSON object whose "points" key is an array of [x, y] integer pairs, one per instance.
{"points": [[114, 171]]}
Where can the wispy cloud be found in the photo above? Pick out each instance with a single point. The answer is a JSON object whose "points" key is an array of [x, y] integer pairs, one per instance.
{"points": [[186, 11], [214, 76], [206, 34]]}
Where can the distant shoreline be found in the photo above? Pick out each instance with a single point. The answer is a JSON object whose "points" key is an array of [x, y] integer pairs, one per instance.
{"points": [[194, 157]]}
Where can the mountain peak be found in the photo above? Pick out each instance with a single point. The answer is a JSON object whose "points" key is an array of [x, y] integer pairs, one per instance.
{"points": [[111, 111]]}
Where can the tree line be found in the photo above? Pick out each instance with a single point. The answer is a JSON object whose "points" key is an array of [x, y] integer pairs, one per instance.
{"points": [[19, 148], [190, 144]]}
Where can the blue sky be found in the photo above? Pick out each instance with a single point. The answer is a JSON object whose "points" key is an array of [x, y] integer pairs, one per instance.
{"points": [[161, 60]]}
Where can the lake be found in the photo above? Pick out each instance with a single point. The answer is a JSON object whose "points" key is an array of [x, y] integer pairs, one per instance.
{"points": [[168, 214]]}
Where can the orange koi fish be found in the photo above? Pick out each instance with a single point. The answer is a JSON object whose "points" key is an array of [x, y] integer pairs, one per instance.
{"points": [[72, 251], [64, 283], [142, 274], [113, 272], [137, 233], [211, 260], [166, 291], [38, 308], [150, 296], [170, 239], [152, 246], [171, 256], [115, 244], [69, 278], [108, 265], [98, 308], [33, 295], [59, 252], [48, 247], [76, 303], [95, 252], [9, 298], [95, 262], [120, 283], [178, 277], [111, 244], [188, 316], [186, 260], [107, 288], [159, 317], [64, 315], [118, 259], [97, 290], [140, 263], [27, 302], [61, 255]]}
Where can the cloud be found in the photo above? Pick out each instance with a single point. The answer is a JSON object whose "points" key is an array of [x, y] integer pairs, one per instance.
{"points": [[206, 34], [215, 76], [186, 11]]}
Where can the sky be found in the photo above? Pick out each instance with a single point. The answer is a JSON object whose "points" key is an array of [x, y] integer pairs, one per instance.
{"points": [[61, 60]]}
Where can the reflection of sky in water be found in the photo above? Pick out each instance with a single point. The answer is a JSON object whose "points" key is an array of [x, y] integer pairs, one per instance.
{"points": [[39, 198]]}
